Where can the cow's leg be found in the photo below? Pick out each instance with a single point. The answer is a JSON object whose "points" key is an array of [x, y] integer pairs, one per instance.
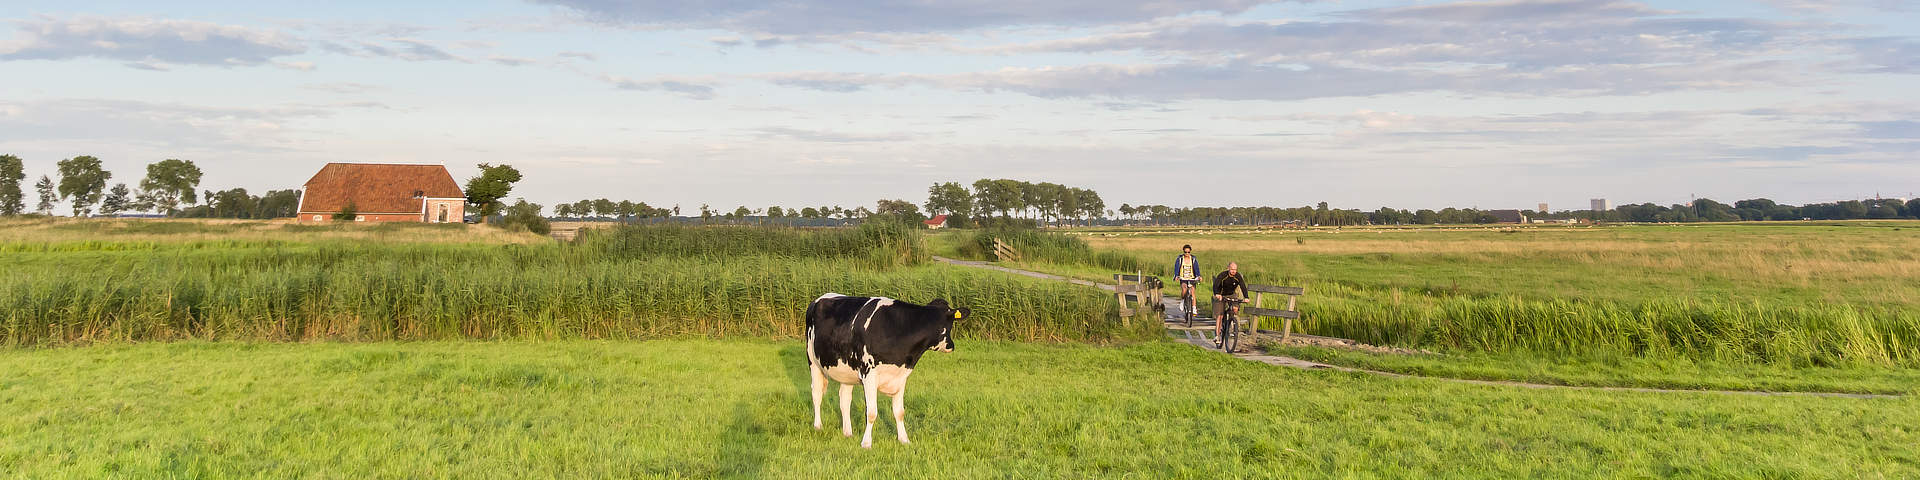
{"points": [[900, 413], [846, 410], [873, 389], [819, 385]]}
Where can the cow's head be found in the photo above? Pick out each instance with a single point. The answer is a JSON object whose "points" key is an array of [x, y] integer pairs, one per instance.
{"points": [[943, 339]]}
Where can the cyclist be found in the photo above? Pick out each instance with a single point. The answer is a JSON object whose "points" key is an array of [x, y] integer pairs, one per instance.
{"points": [[1187, 270], [1224, 286]]}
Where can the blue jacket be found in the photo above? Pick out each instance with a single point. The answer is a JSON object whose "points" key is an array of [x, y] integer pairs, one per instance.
{"points": [[1192, 262]]}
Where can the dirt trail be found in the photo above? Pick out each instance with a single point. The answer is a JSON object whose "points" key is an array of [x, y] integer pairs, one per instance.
{"points": [[1200, 335]]}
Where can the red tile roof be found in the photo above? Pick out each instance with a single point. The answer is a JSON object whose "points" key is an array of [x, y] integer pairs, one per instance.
{"points": [[936, 220], [377, 187]]}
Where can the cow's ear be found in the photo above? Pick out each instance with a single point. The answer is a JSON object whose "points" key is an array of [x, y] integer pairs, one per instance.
{"points": [[962, 313], [938, 302]]}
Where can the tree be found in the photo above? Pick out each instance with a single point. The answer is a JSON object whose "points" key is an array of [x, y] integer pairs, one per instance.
{"points": [[47, 197], [949, 198], [279, 204], [625, 209], [117, 200], [1090, 203], [169, 183], [809, 212], [485, 190], [605, 208], [901, 209], [564, 210], [1913, 208], [83, 181], [12, 171], [776, 212], [740, 213]]}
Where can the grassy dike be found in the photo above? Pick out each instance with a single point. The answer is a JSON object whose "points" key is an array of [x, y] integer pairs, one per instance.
{"points": [[738, 409]]}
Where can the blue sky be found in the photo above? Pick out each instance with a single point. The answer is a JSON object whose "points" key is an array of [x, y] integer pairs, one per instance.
{"points": [[1494, 104]]}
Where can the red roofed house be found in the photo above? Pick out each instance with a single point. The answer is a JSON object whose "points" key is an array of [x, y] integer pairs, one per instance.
{"points": [[381, 192], [937, 222]]}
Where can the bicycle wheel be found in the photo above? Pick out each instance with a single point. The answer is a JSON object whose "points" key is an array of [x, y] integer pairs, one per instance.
{"points": [[1186, 309], [1230, 337]]}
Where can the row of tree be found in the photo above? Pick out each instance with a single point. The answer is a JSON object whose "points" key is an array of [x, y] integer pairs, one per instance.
{"points": [[625, 209], [1044, 202], [1707, 210], [83, 184]]}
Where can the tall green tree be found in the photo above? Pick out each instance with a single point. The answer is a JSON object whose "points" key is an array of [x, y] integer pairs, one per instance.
{"points": [[949, 198], [47, 195], [168, 184], [118, 199], [485, 190], [12, 171], [83, 181]]}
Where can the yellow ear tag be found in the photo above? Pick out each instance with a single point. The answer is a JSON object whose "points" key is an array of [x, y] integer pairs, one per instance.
{"points": [[956, 315]]}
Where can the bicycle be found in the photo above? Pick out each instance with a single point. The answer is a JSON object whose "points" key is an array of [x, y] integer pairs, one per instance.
{"points": [[1229, 337], [1187, 304]]}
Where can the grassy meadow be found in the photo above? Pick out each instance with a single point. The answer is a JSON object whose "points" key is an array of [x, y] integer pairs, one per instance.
{"points": [[694, 408], [1835, 300]]}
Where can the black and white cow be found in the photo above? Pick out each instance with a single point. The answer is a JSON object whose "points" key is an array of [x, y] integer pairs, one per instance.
{"points": [[873, 342]]}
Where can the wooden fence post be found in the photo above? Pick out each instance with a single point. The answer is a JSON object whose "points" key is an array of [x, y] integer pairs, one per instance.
{"points": [[1287, 331]]}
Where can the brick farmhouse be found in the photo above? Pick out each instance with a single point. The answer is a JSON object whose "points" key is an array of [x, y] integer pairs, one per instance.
{"points": [[383, 192]]}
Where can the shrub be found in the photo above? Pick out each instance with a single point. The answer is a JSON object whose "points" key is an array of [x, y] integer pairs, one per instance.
{"points": [[523, 216]]}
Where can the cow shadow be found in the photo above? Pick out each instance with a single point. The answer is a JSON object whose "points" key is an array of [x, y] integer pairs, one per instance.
{"points": [[793, 361], [745, 444]]}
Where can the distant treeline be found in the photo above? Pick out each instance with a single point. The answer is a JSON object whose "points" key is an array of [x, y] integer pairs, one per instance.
{"points": [[169, 186], [1705, 210], [1702, 210]]}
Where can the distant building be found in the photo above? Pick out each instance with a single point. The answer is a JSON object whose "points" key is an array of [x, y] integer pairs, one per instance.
{"points": [[1508, 216], [937, 222], [1543, 208], [1601, 205], [381, 192]]}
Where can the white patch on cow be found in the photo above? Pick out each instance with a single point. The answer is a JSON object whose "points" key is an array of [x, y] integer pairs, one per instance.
{"points": [[889, 378], [883, 303], [844, 374], [866, 357], [944, 346], [828, 295]]}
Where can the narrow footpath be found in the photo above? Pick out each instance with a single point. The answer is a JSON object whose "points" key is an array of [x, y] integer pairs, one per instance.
{"points": [[1200, 335]]}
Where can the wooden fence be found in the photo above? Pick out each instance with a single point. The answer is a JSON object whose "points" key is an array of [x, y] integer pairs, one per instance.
{"points": [[1005, 252], [1253, 311]]}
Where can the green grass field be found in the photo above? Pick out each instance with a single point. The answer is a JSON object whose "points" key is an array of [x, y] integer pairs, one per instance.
{"points": [[734, 408], [1715, 306]]}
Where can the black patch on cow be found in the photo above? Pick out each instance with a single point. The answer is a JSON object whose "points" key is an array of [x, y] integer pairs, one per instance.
{"points": [[896, 334]]}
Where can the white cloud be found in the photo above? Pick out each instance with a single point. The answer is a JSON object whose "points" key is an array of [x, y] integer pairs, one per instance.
{"points": [[694, 88], [823, 17], [147, 42]]}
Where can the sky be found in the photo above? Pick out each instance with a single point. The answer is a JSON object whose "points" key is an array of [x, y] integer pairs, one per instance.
{"points": [[1361, 104]]}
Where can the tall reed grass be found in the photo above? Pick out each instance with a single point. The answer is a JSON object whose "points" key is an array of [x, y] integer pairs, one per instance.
{"points": [[1036, 245], [881, 244], [1734, 332], [637, 283]]}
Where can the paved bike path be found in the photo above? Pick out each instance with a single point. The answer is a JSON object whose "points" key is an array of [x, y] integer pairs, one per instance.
{"points": [[1199, 336]]}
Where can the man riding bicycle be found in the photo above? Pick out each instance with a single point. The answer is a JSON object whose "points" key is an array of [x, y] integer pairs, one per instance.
{"points": [[1224, 286], [1187, 270]]}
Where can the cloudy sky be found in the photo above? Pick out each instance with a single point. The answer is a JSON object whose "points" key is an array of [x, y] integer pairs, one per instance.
{"points": [[1495, 104]]}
